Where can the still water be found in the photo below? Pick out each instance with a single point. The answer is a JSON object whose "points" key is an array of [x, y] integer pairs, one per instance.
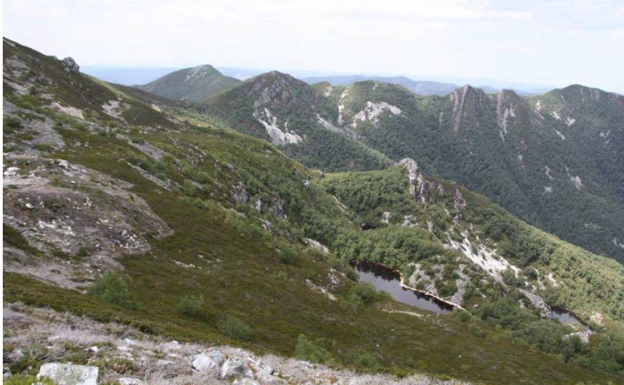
{"points": [[565, 317], [387, 280]]}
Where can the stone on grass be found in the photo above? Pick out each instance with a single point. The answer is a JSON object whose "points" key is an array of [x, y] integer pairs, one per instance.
{"points": [[67, 374]]}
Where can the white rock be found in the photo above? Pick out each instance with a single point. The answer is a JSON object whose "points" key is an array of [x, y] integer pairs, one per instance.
{"points": [[261, 368], [11, 172], [373, 111], [235, 368], [208, 361], [245, 381], [67, 374], [130, 381], [316, 245]]}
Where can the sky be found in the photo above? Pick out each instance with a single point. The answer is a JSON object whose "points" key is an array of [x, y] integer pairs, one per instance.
{"points": [[547, 42]]}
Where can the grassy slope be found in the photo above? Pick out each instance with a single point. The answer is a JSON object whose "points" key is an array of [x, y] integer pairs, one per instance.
{"points": [[245, 284], [241, 267]]}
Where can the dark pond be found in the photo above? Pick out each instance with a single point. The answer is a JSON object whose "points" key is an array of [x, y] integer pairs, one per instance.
{"points": [[565, 317], [385, 279]]}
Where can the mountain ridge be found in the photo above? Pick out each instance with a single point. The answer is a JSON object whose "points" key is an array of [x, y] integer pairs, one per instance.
{"points": [[207, 235], [192, 84]]}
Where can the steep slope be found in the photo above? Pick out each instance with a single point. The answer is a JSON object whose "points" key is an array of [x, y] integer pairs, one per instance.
{"points": [[202, 234], [593, 120], [294, 115], [554, 174], [191, 84], [560, 173]]}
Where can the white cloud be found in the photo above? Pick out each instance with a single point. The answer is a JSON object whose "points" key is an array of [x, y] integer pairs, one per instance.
{"points": [[552, 42]]}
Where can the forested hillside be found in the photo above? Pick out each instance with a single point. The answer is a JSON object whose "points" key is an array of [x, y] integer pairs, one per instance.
{"points": [[554, 160], [121, 208]]}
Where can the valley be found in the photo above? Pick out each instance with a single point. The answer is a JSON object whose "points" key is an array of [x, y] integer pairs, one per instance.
{"points": [[231, 221]]}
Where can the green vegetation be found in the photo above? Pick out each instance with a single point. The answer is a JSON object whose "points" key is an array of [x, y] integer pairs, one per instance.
{"points": [[240, 209], [505, 161], [190, 306], [26, 380], [191, 84], [313, 350], [234, 328], [16, 239], [322, 149], [111, 287]]}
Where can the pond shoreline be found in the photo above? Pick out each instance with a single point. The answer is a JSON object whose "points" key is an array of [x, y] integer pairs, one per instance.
{"points": [[406, 287]]}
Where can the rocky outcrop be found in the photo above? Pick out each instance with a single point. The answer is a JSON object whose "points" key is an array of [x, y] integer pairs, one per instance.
{"points": [[279, 135], [458, 97], [503, 113], [373, 111], [60, 207], [68, 374], [239, 194], [420, 188], [412, 175], [70, 65], [459, 204]]}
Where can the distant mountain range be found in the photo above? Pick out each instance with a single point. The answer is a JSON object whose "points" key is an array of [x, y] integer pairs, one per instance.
{"points": [[427, 86], [127, 76], [418, 87]]}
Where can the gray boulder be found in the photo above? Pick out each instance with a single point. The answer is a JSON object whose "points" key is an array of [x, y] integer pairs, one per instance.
{"points": [[235, 368], [70, 65], [207, 361], [67, 374]]}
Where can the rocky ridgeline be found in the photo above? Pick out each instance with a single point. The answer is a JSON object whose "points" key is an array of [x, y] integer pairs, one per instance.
{"points": [[79, 351]]}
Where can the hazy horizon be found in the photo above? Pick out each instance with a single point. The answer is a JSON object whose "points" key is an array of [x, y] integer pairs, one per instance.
{"points": [[552, 43]]}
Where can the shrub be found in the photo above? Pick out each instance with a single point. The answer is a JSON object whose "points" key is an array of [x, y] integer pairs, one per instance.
{"points": [[234, 328], [11, 124], [287, 255], [365, 292], [111, 288], [363, 359], [312, 351], [190, 305]]}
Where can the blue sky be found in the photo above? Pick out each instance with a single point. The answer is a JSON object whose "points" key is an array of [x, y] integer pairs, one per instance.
{"points": [[542, 42]]}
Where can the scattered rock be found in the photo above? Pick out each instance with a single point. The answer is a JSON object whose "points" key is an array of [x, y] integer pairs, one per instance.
{"points": [[67, 374], [235, 368], [11, 172]]}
